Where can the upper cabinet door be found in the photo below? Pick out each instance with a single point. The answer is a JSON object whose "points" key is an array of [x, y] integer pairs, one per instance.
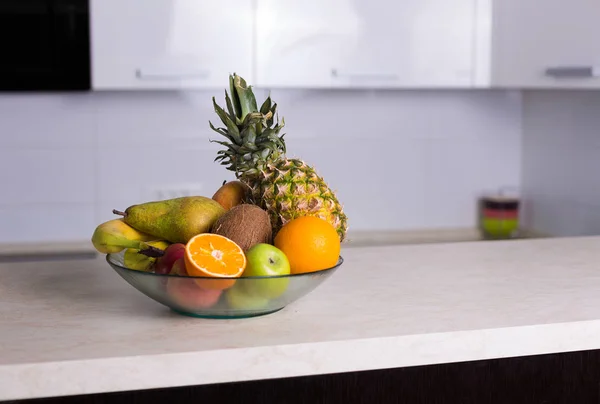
{"points": [[365, 43], [549, 43], [170, 44]]}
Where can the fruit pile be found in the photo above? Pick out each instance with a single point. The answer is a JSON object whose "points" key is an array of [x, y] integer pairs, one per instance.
{"points": [[278, 217]]}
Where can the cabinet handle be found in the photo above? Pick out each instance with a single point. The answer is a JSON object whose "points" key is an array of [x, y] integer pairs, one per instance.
{"points": [[369, 76], [166, 75], [573, 71]]}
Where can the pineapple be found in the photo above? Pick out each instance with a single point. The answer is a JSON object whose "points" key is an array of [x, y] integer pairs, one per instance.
{"points": [[256, 153]]}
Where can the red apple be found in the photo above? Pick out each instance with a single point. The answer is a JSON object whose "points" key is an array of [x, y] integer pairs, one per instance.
{"points": [[178, 268], [189, 296], [172, 253]]}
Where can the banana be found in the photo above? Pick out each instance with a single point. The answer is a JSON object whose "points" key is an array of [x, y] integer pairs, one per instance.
{"points": [[132, 258], [116, 235]]}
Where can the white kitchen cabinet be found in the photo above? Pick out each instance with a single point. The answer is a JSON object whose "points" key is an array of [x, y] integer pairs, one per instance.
{"points": [[539, 44], [170, 44], [365, 43]]}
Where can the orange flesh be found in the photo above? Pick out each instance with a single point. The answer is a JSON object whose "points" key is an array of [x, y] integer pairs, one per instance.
{"points": [[215, 256]]}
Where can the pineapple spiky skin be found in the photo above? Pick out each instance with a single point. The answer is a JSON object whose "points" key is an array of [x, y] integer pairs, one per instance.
{"points": [[290, 189], [254, 150]]}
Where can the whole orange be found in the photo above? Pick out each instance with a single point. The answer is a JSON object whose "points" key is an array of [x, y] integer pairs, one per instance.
{"points": [[310, 244]]}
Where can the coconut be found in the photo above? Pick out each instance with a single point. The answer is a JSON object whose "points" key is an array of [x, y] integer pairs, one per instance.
{"points": [[245, 224]]}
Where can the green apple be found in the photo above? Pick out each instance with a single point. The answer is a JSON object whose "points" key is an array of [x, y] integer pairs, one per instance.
{"points": [[266, 260], [238, 299]]}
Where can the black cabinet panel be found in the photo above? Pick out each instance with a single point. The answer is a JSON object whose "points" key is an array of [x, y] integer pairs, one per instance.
{"points": [[44, 45]]}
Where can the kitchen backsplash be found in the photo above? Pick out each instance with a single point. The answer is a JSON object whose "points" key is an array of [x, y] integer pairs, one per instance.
{"points": [[399, 160], [561, 165]]}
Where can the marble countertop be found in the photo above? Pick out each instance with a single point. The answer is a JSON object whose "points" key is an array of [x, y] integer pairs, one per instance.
{"points": [[75, 327]]}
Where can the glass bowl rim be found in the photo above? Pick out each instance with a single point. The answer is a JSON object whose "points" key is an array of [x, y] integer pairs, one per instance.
{"points": [[320, 271]]}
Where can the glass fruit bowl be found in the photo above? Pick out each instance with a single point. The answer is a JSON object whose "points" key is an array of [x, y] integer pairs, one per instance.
{"points": [[206, 297]]}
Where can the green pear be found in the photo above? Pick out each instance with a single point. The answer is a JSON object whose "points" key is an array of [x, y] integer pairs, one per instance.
{"points": [[175, 220], [115, 235], [133, 259]]}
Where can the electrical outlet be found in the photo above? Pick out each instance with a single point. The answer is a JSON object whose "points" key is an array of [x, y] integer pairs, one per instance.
{"points": [[174, 191]]}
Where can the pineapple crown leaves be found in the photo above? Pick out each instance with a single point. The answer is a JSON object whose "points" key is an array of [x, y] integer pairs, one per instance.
{"points": [[252, 134]]}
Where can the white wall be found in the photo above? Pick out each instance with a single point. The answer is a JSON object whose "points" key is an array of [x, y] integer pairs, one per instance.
{"points": [[561, 162], [399, 160]]}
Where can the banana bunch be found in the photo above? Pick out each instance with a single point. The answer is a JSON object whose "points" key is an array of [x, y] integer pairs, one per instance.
{"points": [[115, 236]]}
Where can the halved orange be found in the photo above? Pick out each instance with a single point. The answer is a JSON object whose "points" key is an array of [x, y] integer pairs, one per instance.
{"points": [[214, 256]]}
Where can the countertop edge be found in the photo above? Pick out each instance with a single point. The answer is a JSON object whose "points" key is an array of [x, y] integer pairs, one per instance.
{"points": [[104, 375], [46, 248]]}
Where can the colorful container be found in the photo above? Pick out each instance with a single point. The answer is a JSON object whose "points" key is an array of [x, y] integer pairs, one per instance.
{"points": [[499, 217]]}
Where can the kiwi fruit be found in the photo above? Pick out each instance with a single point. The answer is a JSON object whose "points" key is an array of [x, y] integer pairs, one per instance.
{"points": [[246, 225]]}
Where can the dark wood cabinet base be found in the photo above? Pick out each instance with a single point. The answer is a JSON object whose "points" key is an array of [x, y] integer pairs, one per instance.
{"points": [[569, 378]]}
